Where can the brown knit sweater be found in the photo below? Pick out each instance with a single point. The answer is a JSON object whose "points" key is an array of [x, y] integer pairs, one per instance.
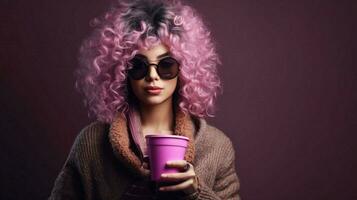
{"points": [[104, 163]]}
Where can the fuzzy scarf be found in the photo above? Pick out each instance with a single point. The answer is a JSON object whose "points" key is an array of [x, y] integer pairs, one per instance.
{"points": [[122, 141]]}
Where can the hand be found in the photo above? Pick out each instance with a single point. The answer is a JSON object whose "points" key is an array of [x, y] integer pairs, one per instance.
{"points": [[187, 180]]}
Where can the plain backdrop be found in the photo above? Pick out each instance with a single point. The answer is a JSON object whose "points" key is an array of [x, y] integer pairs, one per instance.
{"points": [[289, 100]]}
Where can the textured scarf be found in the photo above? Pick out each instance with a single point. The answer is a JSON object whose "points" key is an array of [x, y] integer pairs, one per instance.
{"points": [[124, 144]]}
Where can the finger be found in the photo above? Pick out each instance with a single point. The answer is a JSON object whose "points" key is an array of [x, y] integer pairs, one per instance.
{"points": [[180, 186], [181, 164], [177, 176], [176, 163]]}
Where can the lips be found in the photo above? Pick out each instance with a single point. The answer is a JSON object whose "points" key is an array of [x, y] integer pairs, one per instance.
{"points": [[154, 90]]}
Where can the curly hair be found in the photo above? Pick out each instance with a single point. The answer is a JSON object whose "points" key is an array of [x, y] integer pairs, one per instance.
{"points": [[122, 31]]}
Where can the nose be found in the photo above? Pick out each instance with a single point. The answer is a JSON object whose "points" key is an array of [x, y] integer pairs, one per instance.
{"points": [[152, 74]]}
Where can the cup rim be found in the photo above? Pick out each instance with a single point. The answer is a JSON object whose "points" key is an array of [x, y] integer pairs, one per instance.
{"points": [[167, 136]]}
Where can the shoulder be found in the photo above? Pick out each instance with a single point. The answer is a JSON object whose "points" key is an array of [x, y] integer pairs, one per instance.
{"points": [[217, 135], [92, 131], [210, 134], [210, 138], [90, 138]]}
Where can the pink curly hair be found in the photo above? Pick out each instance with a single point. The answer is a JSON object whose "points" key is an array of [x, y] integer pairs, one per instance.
{"points": [[129, 26]]}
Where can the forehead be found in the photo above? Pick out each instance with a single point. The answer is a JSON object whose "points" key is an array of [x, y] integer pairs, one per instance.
{"points": [[153, 52]]}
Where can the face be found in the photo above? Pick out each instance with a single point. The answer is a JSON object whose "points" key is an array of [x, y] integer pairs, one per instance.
{"points": [[152, 89]]}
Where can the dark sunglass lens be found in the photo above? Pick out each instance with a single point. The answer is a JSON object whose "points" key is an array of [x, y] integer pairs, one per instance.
{"points": [[168, 68], [139, 68]]}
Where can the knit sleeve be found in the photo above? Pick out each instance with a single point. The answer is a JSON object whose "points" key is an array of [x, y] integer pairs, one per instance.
{"points": [[68, 184], [226, 184]]}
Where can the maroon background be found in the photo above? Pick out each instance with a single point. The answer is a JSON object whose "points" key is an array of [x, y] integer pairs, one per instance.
{"points": [[289, 101]]}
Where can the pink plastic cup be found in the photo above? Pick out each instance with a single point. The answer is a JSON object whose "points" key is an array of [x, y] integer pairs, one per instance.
{"points": [[162, 148]]}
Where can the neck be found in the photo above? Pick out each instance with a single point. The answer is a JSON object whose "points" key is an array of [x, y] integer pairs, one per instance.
{"points": [[157, 118]]}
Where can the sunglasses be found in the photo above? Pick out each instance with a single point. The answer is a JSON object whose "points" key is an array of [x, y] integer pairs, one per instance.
{"points": [[167, 68]]}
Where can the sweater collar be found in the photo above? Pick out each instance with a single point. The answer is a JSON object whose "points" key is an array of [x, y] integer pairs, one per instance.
{"points": [[123, 144]]}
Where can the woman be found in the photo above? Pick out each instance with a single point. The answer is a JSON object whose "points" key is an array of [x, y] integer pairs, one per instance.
{"points": [[148, 67]]}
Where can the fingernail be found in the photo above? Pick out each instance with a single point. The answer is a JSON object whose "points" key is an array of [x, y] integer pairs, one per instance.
{"points": [[161, 189], [163, 175]]}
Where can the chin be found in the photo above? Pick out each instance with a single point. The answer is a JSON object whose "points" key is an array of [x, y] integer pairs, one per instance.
{"points": [[157, 100], [152, 102]]}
